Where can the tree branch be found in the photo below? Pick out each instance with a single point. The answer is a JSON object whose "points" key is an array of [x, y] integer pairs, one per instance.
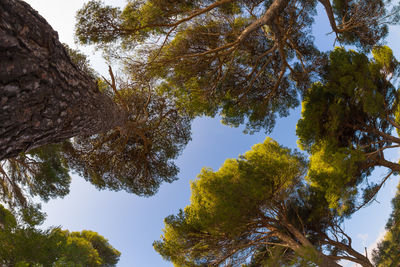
{"points": [[275, 8], [329, 11]]}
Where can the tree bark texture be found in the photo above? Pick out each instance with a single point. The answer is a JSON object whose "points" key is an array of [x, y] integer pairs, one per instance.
{"points": [[44, 97]]}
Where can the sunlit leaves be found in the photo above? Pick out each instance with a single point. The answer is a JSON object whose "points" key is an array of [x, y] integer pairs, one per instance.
{"points": [[232, 208]]}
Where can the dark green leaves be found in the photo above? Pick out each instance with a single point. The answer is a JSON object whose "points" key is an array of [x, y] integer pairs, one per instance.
{"points": [[364, 23], [137, 157], [104, 29], [347, 122], [21, 244], [42, 172]]}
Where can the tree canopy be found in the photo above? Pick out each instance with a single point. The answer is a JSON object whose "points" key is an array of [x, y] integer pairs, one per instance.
{"points": [[256, 203], [388, 250], [137, 157], [246, 60], [347, 124], [43, 172], [22, 244]]}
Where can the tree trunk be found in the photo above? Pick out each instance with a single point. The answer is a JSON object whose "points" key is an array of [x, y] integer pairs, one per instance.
{"points": [[44, 97]]}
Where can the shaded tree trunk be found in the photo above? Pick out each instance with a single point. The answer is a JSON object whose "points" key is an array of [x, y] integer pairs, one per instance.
{"points": [[44, 97]]}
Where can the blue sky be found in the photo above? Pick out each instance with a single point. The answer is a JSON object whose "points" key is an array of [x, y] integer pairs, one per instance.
{"points": [[132, 223]]}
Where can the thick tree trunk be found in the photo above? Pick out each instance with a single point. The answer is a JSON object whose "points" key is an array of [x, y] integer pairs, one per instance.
{"points": [[44, 97]]}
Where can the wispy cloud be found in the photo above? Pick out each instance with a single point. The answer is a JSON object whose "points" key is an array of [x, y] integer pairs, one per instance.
{"points": [[370, 247], [374, 244]]}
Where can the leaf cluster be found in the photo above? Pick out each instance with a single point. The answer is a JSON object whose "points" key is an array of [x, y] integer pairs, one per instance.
{"points": [[243, 60], [22, 244], [138, 156], [42, 172], [347, 122], [250, 207], [387, 252]]}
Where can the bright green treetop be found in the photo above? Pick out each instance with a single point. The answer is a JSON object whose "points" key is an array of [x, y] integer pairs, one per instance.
{"points": [[255, 203]]}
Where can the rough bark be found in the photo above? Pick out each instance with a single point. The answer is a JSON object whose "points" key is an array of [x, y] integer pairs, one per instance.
{"points": [[44, 97]]}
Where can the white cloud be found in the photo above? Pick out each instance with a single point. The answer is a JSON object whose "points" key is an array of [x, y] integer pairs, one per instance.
{"points": [[374, 244], [370, 248]]}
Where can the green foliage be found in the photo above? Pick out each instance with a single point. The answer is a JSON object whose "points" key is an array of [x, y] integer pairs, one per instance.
{"points": [[105, 17], [278, 256], [41, 172], [353, 89], [53, 179], [364, 20], [221, 57], [147, 18], [347, 120], [387, 253], [7, 219], [247, 208], [22, 244], [242, 83], [81, 62], [232, 195], [106, 254], [136, 157], [336, 171]]}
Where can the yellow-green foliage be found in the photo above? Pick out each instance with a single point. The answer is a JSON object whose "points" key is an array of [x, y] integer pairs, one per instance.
{"points": [[226, 201], [383, 56], [334, 171], [226, 198]]}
